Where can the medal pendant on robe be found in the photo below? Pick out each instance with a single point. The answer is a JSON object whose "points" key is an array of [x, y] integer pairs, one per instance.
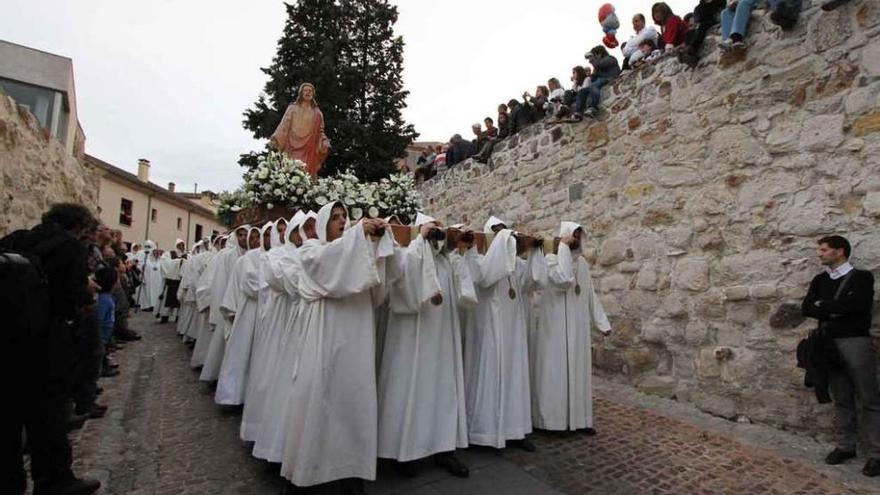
{"points": [[511, 293], [577, 289], [437, 299]]}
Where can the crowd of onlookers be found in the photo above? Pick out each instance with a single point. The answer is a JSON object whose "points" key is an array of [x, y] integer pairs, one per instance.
{"points": [[67, 291], [681, 37]]}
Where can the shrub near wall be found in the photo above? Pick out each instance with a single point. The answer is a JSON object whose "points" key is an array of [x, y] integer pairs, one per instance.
{"points": [[702, 193]]}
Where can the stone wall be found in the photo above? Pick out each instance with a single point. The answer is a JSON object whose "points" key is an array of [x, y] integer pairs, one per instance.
{"points": [[702, 193], [35, 170]]}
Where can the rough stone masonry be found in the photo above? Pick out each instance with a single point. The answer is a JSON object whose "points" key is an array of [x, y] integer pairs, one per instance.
{"points": [[35, 171], [702, 193]]}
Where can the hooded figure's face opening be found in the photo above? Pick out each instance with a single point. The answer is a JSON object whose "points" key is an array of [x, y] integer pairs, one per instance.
{"points": [[309, 229], [241, 236], [336, 225], [253, 239]]}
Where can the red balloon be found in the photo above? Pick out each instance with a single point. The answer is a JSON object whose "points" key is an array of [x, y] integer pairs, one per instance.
{"points": [[604, 10], [610, 41]]}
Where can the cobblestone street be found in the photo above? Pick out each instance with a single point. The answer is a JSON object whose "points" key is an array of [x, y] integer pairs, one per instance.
{"points": [[164, 435]]}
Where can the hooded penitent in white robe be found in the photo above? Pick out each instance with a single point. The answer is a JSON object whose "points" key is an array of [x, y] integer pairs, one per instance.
{"points": [[269, 442], [203, 328], [152, 282], [561, 370], [496, 357], [210, 291], [421, 378], [241, 305], [186, 314], [274, 310], [331, 420]]}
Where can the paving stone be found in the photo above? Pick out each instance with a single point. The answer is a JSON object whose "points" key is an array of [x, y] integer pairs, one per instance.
{"points": [[164, 435]]}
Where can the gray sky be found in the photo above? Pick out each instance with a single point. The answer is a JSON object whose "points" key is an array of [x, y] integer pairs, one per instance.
{"points": [[168, 80]]}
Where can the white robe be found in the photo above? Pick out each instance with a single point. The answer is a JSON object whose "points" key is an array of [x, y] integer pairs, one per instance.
{"points": [[151, 284], [331, 420], [186, 313], [421, 378], [562, 389], [240, 300], [202, 307], [496, 355], [213, 286], [269, 441], [275, 308]]}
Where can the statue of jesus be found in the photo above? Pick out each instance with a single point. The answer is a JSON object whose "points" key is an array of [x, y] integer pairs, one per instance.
{"points": [[300, 135]]}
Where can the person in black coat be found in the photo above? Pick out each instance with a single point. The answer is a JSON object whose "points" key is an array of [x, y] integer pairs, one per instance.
{"points": [[459, 150], [43, 358], [519, 118], [605, 69], [841, 298]]}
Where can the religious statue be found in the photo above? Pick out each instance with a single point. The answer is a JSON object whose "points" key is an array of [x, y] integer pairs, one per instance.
{"points": [[300, 135]]}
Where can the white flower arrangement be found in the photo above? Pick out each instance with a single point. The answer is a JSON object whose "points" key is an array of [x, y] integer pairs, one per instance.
{"points": [[274, 179], [278, 180], [394, 196]]}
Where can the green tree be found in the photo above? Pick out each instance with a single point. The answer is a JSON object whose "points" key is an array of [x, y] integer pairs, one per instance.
{"points": [[348, 50]]}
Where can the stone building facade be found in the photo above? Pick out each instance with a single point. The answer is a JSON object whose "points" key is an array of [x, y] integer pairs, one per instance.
{"points": [[702, 193], [144, 210]]}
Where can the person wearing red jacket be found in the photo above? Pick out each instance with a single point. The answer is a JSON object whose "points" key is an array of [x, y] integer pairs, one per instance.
{"points": [[673, 30]]}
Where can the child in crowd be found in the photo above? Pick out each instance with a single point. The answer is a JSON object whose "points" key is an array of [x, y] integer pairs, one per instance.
{"points": [[649, 52], [673, 30], [106, 278]]}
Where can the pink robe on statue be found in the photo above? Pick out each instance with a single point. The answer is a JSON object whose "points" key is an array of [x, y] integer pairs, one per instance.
{"points": [[308, 142]]}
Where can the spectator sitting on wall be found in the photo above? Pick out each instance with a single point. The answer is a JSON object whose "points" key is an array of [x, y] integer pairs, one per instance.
{"points": [[689, 20], [705, 16], [425, 168], [480, 137], [520, 117], [440, 161], [649, 53], [537, 105], [580, 78], [631, 49], [491, 130], [492, 134], [605, 70], [673, 30], [459, 150], [503, 124], [736, 17]]}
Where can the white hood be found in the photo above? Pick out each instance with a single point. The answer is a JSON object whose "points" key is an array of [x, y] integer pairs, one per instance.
{"points": [[323, 219], [493, 221]]}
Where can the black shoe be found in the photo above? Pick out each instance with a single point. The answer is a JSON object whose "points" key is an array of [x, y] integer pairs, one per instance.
{"points": [[406, 469], [75, 422], [164, 319], [525, 444], [575, 118], [872, 468], [352, 486], [74, 486], [688, 59], [448, 461], [838, 456], [589, 432], [109, 372], [831, 5], [95, 411]]}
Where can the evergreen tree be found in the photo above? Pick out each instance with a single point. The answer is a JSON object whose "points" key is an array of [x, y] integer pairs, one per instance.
{"points": [[348, 50]]}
